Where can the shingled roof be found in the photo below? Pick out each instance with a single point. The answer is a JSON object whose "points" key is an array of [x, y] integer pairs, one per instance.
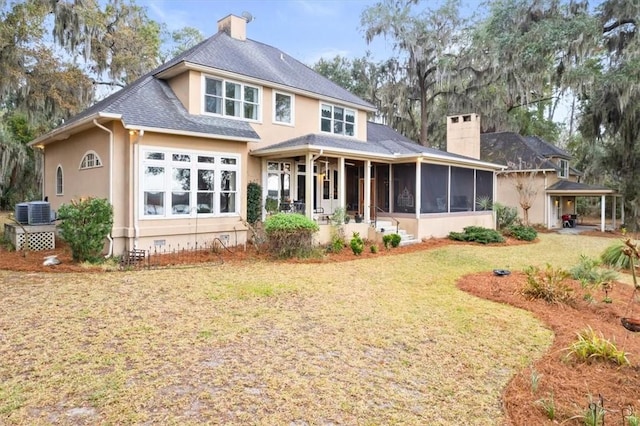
{"points": [[150, 103], [260, 61], [382, 141], [520, 152]]}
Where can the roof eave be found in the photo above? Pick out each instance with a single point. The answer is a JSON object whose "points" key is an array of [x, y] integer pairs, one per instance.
{"points": [[360, 154], [65, 131], [194, 134]]}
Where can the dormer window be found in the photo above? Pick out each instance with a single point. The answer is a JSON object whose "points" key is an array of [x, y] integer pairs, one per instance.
{"points": [[231, 99], [338, 120], [564, 169]]}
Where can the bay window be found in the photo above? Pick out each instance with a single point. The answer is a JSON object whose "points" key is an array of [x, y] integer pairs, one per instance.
{"points": [[170, 191]]}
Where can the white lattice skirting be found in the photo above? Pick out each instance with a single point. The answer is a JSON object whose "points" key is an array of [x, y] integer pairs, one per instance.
{"points": [[41, 237]]}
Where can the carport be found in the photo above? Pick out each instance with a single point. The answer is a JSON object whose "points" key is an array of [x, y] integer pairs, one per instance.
{"points": [[561, 199]]}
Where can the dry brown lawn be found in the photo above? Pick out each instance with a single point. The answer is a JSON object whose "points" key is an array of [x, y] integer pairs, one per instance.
{"points": [[381, 340]]}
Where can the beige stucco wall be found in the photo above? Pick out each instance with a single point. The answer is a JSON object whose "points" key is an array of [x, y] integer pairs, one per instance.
{"points": [[77, 183], [189, 89], [507, 195]]}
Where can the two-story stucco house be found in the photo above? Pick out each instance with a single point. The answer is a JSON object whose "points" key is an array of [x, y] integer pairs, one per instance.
{"points": [[174, 151]]}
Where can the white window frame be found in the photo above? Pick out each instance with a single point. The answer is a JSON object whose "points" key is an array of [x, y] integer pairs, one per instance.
{"points": [[59, 180], [292, 98], [223, 97], [90, 156], [333, 121], [563, 172], [175, 159]]}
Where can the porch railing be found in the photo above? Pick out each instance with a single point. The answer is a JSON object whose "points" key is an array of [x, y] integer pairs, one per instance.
{"points": [[375, 218]]}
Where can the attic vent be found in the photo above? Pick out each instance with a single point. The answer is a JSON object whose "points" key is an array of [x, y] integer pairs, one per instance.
{"points": [[466, 118], [455, 119]]}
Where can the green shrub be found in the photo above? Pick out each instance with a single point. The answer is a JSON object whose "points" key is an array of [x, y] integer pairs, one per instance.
{"points": [[337, 242], [477, 234], [591, 346], [589, 273], [386, 240], [357, 244], [254, 202], [290, 235], [339, 216], [85, 224], [271, 205], [522, 232], [373, 248], [505, 216], [395, 240], [548, 284], [615, 256]]}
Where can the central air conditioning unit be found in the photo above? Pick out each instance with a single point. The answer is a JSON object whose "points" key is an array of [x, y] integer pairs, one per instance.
{"points": [[39, 213], [22, 213]]}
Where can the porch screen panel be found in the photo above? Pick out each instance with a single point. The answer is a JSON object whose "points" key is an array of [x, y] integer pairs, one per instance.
{"points": [[382, 187], [484, 186], [462, 188], [434, 184], [404, 188]]}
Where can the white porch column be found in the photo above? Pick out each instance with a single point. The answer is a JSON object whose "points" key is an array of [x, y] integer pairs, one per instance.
{"points": [[367, 191], [622, 212], [308, 186], [391, 192], [416, 199], [614, 207], [602, 213], [549, 203], [342, 183]]}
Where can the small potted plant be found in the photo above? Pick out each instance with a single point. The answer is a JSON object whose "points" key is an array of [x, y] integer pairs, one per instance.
{"points": [[358, 218]]}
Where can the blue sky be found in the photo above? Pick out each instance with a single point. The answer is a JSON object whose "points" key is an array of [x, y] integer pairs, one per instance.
{"points": [[305, 29]]}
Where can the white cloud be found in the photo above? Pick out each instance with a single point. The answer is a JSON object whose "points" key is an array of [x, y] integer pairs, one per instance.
{"points": [[318, 8]]}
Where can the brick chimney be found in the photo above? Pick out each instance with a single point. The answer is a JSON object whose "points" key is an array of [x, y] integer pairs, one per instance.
{"points": [[234, 26], [463, 135]]}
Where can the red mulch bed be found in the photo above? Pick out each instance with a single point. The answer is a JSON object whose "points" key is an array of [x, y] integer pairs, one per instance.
{"points": [[570, 382]]}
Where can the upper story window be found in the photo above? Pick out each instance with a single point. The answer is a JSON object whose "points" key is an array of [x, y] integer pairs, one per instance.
{"points": [[339, 120], [90, 160], [59, 181], [564, 169], [231, 99], [282, 108]]}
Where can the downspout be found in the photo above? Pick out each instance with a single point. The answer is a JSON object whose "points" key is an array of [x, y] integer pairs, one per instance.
{"points": [[110, 251], [547, 207], [136, 192]]}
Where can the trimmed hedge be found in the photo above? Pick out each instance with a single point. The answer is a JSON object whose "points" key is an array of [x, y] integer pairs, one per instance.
{"points": [[290, 234], [477, 234]]}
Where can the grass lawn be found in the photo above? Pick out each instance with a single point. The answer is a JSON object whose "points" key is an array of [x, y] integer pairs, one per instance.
{"points": [[374, 341]]}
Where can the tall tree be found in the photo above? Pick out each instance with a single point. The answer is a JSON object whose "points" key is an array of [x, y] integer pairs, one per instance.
{"points": [[611, 102], [427, 45]]}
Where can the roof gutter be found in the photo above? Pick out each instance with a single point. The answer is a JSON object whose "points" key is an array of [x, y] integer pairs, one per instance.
{"points": [[364, 155], [194, 134], [95, 122]]}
